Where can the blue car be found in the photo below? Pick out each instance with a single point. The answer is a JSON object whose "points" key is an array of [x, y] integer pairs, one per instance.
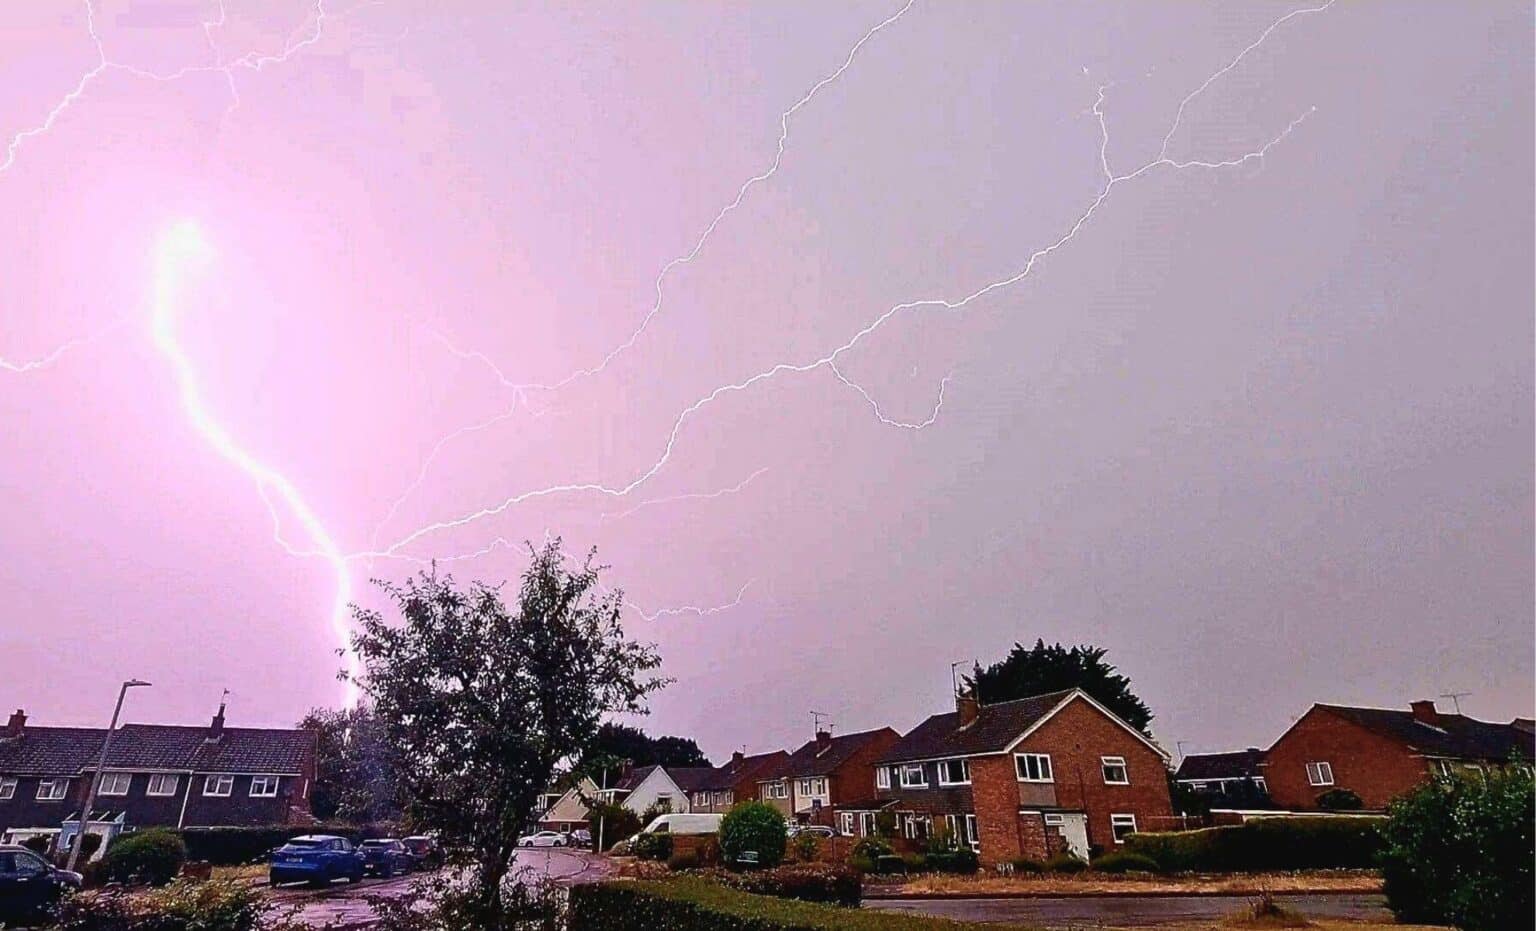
{"points": [[319, 859]]}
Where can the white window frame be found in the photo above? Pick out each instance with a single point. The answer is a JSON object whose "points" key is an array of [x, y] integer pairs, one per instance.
{"points": [[972, 832], [1042, 767], [1121, 820], [58, 789], [921, 782], [7, 787], [216, 785], [1440, 768], [882, 777], [869, 824], [965, 769], [1108, 762], [115, 784], [268, 784], [1054, 821], [1319, 773], [845, 823], [160, 779]]}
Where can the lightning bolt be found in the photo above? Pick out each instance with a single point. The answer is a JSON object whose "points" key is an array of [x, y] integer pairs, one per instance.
{"points": [[180, 253], [694, 496]]}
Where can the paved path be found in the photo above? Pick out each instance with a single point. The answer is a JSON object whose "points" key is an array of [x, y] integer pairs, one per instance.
{"points": [[1063, 911], [346, 905]]}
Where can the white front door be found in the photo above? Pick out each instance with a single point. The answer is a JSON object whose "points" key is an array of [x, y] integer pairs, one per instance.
{"points": [[1074, 829]]}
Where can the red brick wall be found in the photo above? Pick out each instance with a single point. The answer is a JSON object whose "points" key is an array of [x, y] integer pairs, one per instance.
{"points": [[1075, 738], [995, 791], [854, 780], [1371, 766]]}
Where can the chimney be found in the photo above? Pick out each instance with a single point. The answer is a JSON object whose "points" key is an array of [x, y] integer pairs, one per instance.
{"points": [[823, 741], [17, 725], [216, 727], [737, 759], [968, 707], [1424, 712]]}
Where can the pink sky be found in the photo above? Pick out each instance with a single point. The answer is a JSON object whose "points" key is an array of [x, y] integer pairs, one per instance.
{"points": [[1264, 430]]}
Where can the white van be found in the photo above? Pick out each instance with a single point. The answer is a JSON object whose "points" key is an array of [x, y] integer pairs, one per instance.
{"points": [[683, 824]]}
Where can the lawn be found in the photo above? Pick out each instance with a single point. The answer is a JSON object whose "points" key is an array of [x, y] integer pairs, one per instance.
{"points": [[992, 884]]}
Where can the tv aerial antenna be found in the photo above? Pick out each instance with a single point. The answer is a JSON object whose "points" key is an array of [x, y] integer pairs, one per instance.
{"points": [[1455, 698]]}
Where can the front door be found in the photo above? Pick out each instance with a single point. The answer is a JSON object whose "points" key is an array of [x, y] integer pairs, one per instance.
{"points": [[1074, 830]]}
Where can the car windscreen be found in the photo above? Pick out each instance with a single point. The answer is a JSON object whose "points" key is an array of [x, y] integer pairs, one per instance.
{"points": [[305, 843]]}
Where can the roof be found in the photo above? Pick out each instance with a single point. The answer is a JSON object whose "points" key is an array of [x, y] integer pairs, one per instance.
{"points": [[570, 807], [726, 776], [1453, 735], [60, 750], [816, 758], [1237, 764], [690, 778], [995, 728]]}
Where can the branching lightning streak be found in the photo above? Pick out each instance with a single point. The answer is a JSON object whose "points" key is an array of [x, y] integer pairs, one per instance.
{"points": [[693, 496], [181, 251], [830, 359], [31, 365], [690, 609]]}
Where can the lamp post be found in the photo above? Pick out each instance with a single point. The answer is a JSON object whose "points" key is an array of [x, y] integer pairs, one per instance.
{"points": [[101, 763]]}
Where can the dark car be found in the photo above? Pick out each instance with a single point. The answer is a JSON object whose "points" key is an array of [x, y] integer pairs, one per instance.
{"points": [[423, 850], [29, 885], [385, 857], [315, 858]]}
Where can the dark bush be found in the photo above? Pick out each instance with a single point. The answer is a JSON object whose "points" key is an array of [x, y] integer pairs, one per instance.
{"points": [[1026, 865], [690, 903], [236, 846], [180, 906], [154, 856], [617, 823], [683, 860], [1065, 863], [872, 848], [959, 860], [1339, 800], [1458, 852], [803, 846], [890, 863], [755, 827], [913, 862], [1265, 845], [89, 844], [1123, 862], [808, 882], [652, 846]]}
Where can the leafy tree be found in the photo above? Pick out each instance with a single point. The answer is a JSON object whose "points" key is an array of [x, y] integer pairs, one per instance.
{"points": [[611, 823], [1458, 852], [619, 742], [754, 826], [481, 702], [1041, 669], [1339, 799], [354, 764]]}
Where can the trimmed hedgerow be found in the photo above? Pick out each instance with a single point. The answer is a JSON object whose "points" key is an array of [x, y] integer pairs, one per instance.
{"points": [[154, 856], [1065, 863], [696, 904], [1123, 862], [234, 846], [808, 882], [1265, 844]]}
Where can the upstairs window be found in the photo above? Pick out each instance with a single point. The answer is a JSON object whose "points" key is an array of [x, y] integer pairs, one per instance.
{"points": [[218, 786], [162, 784], [263, 787], [954, 773], [1319, 774], [1033, 767], [882, 777], [115, 784], [912, 776], [1115, 773], [7, 787], [52, 790]]}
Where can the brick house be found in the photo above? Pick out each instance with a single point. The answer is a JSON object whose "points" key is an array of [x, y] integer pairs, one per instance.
{"points": [[1025, 778], [1230, 780], [156, 775], [825, 773], [1381, 753], [735, 780]]}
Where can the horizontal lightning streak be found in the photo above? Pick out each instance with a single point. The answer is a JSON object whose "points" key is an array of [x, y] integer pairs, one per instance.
{"points": [[693, 496]]}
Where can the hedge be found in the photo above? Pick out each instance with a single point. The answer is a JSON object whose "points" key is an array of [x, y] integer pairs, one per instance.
{"points": [[1265, 844], [154, 856], [234, 846], [808, 882], [695, 904]]}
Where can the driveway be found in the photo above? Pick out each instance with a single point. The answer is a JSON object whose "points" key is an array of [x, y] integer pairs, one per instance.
{"points": [[1131, 911], [346, 905]]}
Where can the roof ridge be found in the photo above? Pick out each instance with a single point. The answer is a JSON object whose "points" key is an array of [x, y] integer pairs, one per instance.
{"points": [[1012, 701]]}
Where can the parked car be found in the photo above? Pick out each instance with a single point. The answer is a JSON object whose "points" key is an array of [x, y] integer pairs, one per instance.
{"points": [[315, 858], [385, 857], [672, 824], [29, 885], [544, 839], [581, 837], [816, 830], [424, 850]]}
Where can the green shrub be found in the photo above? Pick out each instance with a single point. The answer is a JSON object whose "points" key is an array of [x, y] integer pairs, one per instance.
{"points": [[1266, 845], [756, 827], [959, 860], [691, 903], [683, 860], [1026, 865], [617, 822], [808, 882], [154, 856], [41, 843], [1065, 863], [652, 846], [872, 849], [1339, 800], [236, 846], [803, 846], [913, 862], [1458, 852], [1123, 862], [180, 906]]}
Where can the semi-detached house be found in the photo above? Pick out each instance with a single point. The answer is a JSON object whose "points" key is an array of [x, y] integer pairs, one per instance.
{"points": [[825, 773], [1020, 779]]}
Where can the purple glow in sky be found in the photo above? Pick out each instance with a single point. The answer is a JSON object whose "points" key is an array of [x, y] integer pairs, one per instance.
{"points": [[859, 339]]}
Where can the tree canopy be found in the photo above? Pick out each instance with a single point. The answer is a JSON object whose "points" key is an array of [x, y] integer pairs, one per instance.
{"points": [[1041, 669], [354, 768], [480, 703], [618, 742]]}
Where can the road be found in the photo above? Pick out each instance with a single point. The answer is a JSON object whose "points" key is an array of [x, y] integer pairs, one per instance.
{"points": [[1129, 911], [346, 905]]}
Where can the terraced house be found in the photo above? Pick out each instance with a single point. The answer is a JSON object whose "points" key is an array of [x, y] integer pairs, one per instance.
{"points": [[826, 773], [737, 779], [1020, 779], [156, 775]]}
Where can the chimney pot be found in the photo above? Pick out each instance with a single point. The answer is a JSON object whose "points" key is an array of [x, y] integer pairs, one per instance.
{"points": [[968, 707], [216, 726], [1424, 712], [17, 725], [823, 740], [737, 759]]}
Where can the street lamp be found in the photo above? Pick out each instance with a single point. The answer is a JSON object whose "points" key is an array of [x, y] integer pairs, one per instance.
{"points": [[101, 762]]}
